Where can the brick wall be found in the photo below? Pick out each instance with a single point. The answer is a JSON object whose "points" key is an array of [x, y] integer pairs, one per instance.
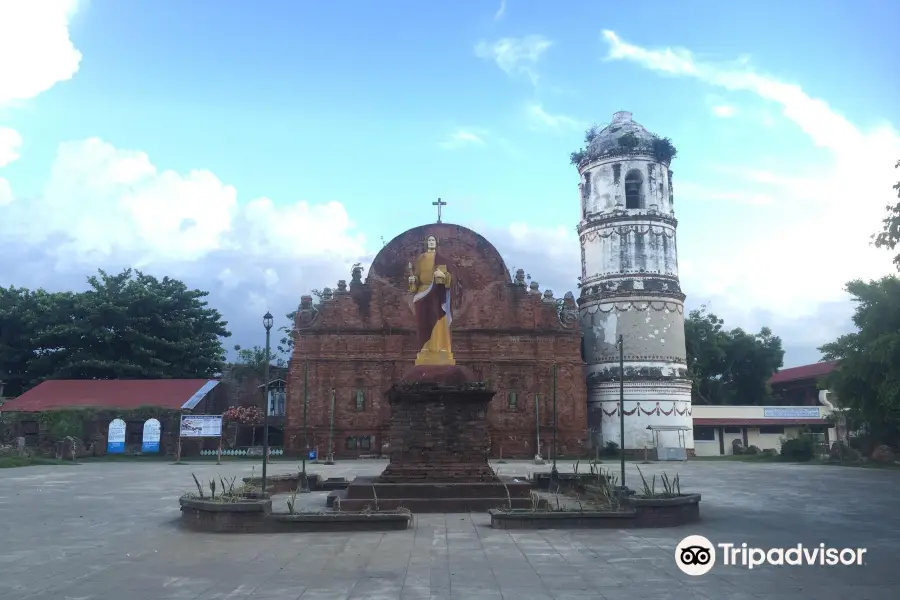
{"points": [[363, 339]]}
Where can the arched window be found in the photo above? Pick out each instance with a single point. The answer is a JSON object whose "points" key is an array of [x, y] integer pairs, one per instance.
{"points": [[634, 189]]}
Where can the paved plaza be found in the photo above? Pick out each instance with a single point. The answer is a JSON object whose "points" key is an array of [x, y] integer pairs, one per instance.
{"points": [[108, 531]]}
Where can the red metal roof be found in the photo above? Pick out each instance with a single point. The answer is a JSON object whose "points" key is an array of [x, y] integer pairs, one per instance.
{"points": [[109, 393], [813, 371], [756, 422]]}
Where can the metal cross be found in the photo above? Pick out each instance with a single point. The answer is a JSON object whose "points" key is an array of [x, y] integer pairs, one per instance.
{"points": [[439, 204]]}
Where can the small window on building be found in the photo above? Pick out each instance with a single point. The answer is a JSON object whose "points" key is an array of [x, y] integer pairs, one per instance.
{"points": [[634, 189], [30, 428], [360, 399], [771, 430], [704, 434], [512, 400], [351, 443], [586, 189], [276, 402], [365, 443], [733, 430]]}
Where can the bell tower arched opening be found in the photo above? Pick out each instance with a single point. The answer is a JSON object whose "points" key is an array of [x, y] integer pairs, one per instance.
{"points": [[634, 189]]}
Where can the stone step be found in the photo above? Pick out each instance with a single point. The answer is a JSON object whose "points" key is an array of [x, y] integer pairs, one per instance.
{"points": [[364, 488], [433, 505]]}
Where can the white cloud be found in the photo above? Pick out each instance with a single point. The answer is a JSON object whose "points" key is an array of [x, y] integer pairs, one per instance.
{"points": [[463, 137], [35, 49], [700, 192], [819, 216], [541, 118], [113, 208], [724, 111], [10, 143], [501, 11], [515, 56], [6, 195]]}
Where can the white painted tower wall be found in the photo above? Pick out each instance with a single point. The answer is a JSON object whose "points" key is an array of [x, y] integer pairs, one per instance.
{"points": [[630, 287]]}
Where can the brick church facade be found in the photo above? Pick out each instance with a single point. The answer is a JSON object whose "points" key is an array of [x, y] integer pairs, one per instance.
{"points": [[360, 340]]}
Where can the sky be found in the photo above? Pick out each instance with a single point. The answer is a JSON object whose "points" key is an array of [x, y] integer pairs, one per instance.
{"points": [[258, 150]]}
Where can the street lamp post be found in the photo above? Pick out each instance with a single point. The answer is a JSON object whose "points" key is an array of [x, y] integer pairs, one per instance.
{"points": [[268, 321]]}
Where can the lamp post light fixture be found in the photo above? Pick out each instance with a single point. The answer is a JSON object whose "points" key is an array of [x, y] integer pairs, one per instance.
{"points": [[268, 321]]}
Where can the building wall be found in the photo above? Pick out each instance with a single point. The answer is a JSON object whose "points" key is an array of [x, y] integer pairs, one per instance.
{"points": [[754, 438], [630, 288], [507, 334], [753, 435]]}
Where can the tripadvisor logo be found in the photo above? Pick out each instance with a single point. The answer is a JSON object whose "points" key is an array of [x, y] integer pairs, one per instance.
{"points": [[696, 555]]}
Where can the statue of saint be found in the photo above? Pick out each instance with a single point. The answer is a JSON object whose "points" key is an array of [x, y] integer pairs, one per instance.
{"points": [[430, 281]]}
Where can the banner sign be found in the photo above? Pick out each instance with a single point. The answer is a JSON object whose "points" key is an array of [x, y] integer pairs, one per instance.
{"points": [[199, 426], [150, 440], [777, 412], [115, 438]]}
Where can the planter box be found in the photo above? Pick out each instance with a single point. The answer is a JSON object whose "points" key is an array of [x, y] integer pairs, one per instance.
{"points": [[528, 519], [665, 512], [224, 517], [255, 516], [639, 512], [571, 481], [346, 521], [286, 484]]}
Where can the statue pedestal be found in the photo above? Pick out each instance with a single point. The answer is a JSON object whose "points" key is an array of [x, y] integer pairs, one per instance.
{"points": [[439, 443]]}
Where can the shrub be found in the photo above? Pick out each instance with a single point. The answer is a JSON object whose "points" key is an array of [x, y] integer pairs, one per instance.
{"points": [[751, 449], [798, 449], [611, 449]]}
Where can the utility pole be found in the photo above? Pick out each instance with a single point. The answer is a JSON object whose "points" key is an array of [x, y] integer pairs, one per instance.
{"points": [[538, 457], [554, 474], [304, 481], [622, 405], [330, 459]]}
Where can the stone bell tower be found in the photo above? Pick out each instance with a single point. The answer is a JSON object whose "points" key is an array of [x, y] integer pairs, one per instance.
{"points": [[629, 288]]}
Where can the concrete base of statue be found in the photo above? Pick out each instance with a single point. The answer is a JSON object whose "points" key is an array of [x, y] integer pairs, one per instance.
{"points": [[439, 444], [441, 358]]}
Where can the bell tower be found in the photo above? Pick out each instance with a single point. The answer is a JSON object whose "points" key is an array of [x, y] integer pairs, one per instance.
{"points": [[630, 288]]}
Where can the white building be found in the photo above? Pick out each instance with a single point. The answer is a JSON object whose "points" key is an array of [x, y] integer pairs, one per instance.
{"points": [[630, 288], [717, 427]]}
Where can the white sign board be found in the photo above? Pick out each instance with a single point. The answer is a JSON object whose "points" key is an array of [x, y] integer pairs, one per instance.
{"points": [[115, 438], [150, 440], [791, 412], [200, 426]]}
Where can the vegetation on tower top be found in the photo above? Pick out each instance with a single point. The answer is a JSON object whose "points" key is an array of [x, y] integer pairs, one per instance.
{"points": [[660, 148]]}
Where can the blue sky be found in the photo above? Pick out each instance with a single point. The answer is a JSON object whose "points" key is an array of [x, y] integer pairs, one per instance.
{"points": [[197, 109]]}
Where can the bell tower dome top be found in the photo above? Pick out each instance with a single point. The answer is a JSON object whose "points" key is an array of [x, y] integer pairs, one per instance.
{"points": [[621, 117]]}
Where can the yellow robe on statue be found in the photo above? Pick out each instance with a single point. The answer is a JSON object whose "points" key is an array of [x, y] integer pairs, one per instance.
{"points": [[437, 350]]}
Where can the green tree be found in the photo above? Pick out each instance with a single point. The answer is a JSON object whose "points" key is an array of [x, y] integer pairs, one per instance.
{"points": [[889, 236], [24, 313], [253, 361], [729, 366], [868, 381], [125, 326]]}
